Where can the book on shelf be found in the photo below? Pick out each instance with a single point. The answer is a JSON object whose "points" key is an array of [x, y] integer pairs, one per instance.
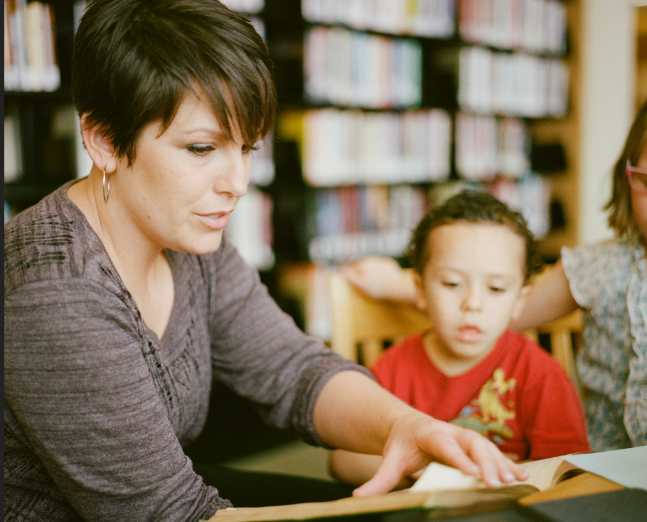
{"points": [[432, 18], [439, 487], [12, 149], [30, 49]]}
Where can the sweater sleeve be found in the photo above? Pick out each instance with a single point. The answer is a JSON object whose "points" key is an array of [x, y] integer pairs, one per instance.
{"points": [[258, 351], [85, 404]]}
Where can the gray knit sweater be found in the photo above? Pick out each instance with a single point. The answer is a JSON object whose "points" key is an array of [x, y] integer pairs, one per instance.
{"points": [[97, 407]]}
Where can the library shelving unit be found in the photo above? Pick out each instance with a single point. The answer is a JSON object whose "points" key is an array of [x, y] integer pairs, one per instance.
{"points": [[391, 109], [39, 134]]}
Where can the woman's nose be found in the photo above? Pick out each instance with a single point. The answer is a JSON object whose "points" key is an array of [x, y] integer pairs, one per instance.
{"points": [[234, 176]]}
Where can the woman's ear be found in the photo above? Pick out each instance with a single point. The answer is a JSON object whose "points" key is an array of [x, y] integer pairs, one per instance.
{"points": [[421, 297], [98, 146]]}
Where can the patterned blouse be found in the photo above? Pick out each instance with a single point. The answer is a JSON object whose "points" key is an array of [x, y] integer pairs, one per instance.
{"points": [[609, 281]]}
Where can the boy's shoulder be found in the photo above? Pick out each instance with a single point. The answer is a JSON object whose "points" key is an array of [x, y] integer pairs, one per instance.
{"points": [[525, 354], [401, 353]]}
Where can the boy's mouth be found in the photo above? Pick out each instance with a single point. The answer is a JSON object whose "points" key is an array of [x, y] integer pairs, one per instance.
{"points": [[469, 333]]}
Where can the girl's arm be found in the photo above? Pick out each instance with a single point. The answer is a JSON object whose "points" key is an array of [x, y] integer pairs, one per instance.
{"points": [[381, 277], [548, 299], [355, 413]]}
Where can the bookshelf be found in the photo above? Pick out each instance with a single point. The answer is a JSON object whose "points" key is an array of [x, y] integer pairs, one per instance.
{"points": [[391, 109], [39, 138]]}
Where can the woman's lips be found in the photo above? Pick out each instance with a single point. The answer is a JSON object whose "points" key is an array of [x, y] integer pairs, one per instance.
{"points": [[216, 221], [469, 333]]}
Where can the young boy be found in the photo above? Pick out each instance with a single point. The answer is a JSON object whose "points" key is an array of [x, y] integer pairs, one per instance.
{"points": [[473, 258]]}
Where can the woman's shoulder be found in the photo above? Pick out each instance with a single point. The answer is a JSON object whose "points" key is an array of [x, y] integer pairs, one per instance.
{"points": [[51, 241]]}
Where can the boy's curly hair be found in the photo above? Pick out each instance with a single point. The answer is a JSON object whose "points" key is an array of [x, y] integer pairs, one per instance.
{"points": [[472, 206]]}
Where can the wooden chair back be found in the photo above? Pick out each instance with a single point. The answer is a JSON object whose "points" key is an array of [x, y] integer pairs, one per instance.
{"points": [[361, 325], [561, 336]]}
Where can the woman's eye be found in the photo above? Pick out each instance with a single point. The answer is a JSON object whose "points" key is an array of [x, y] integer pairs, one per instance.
{"points": [[450, 284], [200, 150], [497, 289], [249, 148]]}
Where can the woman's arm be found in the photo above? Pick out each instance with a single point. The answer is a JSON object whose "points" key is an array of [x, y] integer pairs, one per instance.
{"points": [[548, 299], [354, 413], [81, 398]]}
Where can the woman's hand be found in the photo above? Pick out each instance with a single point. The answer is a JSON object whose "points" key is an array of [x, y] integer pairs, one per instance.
{"points": [[417, 439], [380, 277]]}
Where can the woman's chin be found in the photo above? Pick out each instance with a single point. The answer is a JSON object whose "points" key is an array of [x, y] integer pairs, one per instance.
{"points": [[202, 247]]}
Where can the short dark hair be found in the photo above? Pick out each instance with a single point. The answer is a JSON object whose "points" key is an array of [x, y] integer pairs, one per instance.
{"points": [[471, 206], [134, 61]]}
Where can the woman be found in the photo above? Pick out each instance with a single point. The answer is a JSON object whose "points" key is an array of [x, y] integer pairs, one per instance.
{"points": [[123, 299]]}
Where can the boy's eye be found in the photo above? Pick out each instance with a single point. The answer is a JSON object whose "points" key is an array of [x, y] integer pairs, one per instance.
{"points": [[497, 289], [450, 284], [200, 150]]}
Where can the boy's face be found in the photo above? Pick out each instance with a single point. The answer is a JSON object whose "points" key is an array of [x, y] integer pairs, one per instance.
{"points": [[471, 288]]}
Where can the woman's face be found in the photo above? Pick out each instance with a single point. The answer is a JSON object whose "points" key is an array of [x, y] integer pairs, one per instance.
{"points": [[184, 183]]}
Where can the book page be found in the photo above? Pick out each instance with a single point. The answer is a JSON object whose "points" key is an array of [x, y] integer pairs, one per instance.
{"points": [[438, 476], [545, 473], [624, 466]]}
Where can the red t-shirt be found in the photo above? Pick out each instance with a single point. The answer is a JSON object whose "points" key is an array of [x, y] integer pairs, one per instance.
{"points": [[518, 396]]}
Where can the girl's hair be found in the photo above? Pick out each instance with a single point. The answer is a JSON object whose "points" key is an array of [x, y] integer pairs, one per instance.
{"points": [[621, 218], [134, 61], [471, 206]]}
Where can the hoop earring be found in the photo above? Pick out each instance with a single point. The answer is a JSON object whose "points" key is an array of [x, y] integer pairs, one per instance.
{"points": [[106, 193]]}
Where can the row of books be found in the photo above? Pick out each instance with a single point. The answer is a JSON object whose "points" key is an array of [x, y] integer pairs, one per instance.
{"points": [[263, 170], [250, 229], [367, 208], [30, 62], [537, 26], [352, 68], [432, 18], [351, 222], [487, 146], [355, 147], [531, 196], [12, 149], [245, 6], [513, 84]]}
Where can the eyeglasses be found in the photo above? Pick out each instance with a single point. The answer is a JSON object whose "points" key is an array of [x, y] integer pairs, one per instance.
{"points": [[637, 178]]}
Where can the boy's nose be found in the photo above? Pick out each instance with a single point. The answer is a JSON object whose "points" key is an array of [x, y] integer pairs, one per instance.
{"points": [[473, 301]]}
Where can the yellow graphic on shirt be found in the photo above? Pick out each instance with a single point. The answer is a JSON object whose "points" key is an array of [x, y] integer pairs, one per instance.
{"points": [[488, 412]]}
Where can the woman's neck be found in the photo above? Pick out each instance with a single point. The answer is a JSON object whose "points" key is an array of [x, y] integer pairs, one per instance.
{"points": [[142, 266]]}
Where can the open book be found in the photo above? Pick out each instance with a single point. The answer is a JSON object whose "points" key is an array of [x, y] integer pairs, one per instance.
{"points": [[439, 487], [542, 474]]}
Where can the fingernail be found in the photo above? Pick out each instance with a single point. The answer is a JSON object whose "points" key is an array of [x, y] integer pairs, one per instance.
{"points": [[495, 483], [508, 477]]}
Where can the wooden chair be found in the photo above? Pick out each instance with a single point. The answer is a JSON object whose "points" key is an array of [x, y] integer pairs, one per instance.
{"points": [[561, 333], [361, 325]]}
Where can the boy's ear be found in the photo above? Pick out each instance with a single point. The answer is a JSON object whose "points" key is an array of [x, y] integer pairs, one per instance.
{"points": [[98, 146], [518, 305], [421, 298]]}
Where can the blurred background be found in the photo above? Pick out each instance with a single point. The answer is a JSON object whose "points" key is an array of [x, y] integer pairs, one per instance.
{"points": [[385, 108]]}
